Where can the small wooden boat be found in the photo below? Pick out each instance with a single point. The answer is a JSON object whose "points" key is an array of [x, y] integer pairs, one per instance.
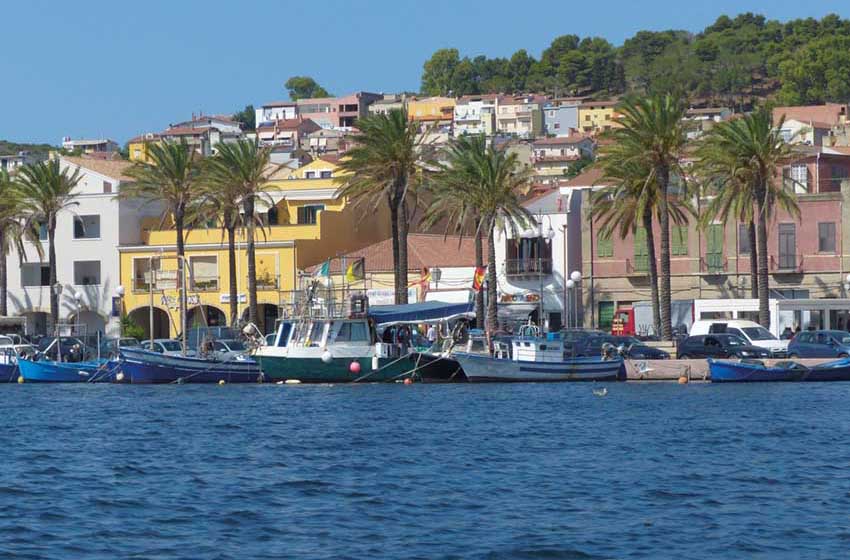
{"points": [[49, 371], [750, 371], [531, 357], [144, 366]]}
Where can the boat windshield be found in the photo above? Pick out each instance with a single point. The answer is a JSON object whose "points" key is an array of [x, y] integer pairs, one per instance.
{"points": [[758, 333]]}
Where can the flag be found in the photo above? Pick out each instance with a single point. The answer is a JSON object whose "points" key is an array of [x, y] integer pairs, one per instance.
{"points": [[323, 270], [425, 279], [478, 278], [356, 270]]}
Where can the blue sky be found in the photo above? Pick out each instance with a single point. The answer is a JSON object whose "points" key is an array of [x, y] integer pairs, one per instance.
{"points": [[116, 69]]}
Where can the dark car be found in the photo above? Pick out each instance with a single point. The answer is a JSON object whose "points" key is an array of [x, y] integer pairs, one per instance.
{"points": [[820, 344], [632, 347], [719, 346]]}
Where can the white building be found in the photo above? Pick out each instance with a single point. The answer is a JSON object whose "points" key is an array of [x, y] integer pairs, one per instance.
{"points": [[89, 146], [532, 265], [276, 111], [475, 114], [87, 258]]}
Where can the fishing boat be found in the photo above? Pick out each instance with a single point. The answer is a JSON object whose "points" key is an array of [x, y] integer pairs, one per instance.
{"points": [[49, 371], [144, 366], [345, 346], [749, 371], [533, 357]]}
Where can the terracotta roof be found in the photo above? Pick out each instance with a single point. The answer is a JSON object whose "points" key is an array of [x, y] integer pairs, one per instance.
{"points": [[141, 138], [423, 249], [184, 131], [290, 124], [829, 113], [561, 140], [115, 169], [588, 178]]}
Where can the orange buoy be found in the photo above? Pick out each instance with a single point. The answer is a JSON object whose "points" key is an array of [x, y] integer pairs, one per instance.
{"points": [[683, 380]]}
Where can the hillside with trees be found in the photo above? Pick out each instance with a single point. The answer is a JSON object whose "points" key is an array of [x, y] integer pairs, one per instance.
{"points": [[734, 62]]}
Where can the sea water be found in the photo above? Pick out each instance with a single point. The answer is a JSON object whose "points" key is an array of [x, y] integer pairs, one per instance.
{"points": [[653, 470]]}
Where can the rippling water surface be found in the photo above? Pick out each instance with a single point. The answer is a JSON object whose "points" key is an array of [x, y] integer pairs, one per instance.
{"points": [[425, 471]]}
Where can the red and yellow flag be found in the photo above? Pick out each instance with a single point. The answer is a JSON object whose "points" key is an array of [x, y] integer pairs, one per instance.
{"points": [[478, 278]]}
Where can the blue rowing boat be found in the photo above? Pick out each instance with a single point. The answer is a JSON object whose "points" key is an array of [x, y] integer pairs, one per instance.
{"points": [[143, 366], [49, 371], [755, 371]]}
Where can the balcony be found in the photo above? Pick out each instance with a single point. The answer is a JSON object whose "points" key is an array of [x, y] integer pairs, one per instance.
{"points": [[204, 283], [786, 264], [268, 282], [527, 268], [713, 263]]}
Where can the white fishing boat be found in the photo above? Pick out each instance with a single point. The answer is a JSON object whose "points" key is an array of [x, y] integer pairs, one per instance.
{"points": [[533, 357]]}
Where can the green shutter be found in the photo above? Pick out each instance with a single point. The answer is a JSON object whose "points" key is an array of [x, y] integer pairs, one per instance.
{"points": [[679, 240], [641, 251], [606, 315], [604, 246], [714, 248]]}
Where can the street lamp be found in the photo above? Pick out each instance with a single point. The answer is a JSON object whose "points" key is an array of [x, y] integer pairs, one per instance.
{"points": [[570, 285], [575, 278]]}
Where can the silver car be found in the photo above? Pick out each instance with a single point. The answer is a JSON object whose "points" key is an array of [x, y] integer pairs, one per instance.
{"points": [[167, 346]]}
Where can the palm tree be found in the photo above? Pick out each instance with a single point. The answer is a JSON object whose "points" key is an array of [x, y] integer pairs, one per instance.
{"points": [[751, 151], [44, 191], [241, 171], [13, 233], [170, 178], [631, 203], [385, 167], [498, 180], [451, 203], [651, 133]]}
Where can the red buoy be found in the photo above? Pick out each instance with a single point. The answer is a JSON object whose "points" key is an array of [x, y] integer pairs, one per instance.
{"points": [[354, 367]]}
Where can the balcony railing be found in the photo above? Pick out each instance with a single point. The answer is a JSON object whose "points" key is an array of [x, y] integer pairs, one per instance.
{"points": [[268, 282], [204, 283], [713, 263], [528, 267], [786, 263]]}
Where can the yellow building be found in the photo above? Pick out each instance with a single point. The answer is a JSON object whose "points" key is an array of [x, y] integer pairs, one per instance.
{"points": [[431, 109], [309, 223], [138, 146], [597, 116]]}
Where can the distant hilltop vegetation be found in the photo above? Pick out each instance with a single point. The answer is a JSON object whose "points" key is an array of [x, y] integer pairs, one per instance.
{"points": [[733, 62], [7, 147]]}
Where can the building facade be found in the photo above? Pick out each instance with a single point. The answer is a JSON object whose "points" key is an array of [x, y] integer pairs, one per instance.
{"points": [[560, 119]]}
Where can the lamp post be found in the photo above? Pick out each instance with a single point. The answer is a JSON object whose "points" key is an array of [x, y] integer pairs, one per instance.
{"points": [[569, 284], [575, 277]]}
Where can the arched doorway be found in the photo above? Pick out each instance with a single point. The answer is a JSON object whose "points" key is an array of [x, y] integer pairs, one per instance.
{"points": [[267, 314], [205, 316], [161, 325], [38, 322], [90, 322]]}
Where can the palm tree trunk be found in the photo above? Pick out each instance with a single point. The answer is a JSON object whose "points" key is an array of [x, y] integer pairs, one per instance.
{"points": [[479, 262], [764, 310], [231, 270], [4, 283], [396, 259], [663, 176], [653, 272], [754, 272], [252, 264], [492, 286], [181, 253], [51, 261], [403, 229]]}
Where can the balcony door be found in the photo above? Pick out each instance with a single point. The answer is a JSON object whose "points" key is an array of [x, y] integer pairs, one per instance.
{"points": [[787, 246]]}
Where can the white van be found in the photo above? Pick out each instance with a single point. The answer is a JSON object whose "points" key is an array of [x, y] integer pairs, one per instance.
{"points": [[750, 331]]}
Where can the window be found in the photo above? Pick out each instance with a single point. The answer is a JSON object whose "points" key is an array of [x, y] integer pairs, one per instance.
{"points": [[203, 273], [743, 239], [107, 187], [35, 274], [800, 177], [86, 273], [325, 174], [528, 256], [826, 237], [271, 216], [679, 235], [714, 248], [839, 173], [87, 227], [309, 174], [604, 246], [353, 332], [42, 232], [587, 118], [142, 276], [641, 251], [787, 246], [557, 126], [308, 214], [606, 315]]}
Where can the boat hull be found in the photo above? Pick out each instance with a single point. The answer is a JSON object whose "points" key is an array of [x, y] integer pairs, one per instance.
{"points": [[436, 368], [337, 370], [47, 371], [484, 368], [8, 373], [736, 372], [141, 366]]}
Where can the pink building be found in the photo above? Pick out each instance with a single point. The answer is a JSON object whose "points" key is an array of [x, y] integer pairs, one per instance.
{"points": [[337, 112]]}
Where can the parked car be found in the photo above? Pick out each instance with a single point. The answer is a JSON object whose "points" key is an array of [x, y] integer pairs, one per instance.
{"points": [[633, 347], [750, 331], [820, 344], [167, 346], [228, 349], [110, 346], [71, 348], [719, 346]]}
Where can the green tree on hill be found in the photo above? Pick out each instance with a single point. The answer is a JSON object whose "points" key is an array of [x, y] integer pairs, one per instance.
{"points": [[304, 87]]}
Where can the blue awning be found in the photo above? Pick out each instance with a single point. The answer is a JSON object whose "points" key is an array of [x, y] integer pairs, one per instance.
{"points": [[413, 312]]}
